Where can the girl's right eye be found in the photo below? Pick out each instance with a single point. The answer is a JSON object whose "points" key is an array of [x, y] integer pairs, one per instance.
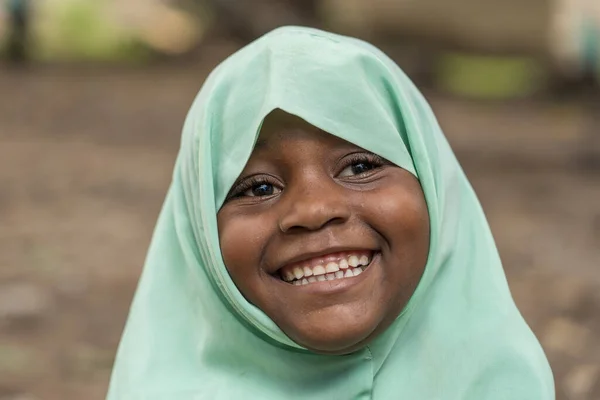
{"points": [[254, 187]]}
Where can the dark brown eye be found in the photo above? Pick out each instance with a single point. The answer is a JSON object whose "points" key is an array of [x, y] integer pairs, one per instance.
{"points": [[255, 186], [262, 189], [359, 164], [361, 167]]}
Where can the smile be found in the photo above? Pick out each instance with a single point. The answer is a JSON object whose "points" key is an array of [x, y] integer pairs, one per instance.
{"points": [[330, 267]]}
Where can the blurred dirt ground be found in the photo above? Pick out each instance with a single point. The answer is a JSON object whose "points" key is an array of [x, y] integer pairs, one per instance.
{"points": [[85, 160]]}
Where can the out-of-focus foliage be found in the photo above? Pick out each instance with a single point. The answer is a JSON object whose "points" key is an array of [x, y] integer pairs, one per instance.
{"points": [[80, 30], [101, 30], [488, 76]]}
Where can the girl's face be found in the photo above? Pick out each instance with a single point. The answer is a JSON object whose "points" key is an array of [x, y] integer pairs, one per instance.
{"points": [[328, 239]]}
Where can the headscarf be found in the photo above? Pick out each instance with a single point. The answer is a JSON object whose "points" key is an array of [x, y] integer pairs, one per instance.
{"points": [[192, 335]]}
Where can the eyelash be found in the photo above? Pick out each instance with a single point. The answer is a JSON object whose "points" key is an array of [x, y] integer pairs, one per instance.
{"points": [[373, 159], [368, 158], [247, 184]]}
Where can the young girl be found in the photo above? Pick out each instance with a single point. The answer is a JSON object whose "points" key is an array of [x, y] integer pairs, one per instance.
{"points": [[320, 241]]}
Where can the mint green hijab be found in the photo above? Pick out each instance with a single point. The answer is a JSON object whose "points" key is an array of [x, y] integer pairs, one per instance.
{"points": [[192, 335]]}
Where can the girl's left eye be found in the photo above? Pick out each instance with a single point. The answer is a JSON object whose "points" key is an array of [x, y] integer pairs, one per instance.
{"points": [[260, 189], [360, 166]]}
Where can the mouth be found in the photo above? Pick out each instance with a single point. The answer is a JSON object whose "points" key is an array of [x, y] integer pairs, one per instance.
{"points": [[330, 267]]}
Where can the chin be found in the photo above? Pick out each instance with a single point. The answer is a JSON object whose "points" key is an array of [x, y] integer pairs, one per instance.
{"points": [[336, 346], [335, 338]]}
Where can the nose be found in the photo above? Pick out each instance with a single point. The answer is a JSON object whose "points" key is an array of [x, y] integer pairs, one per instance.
{"points": [[313, 203]]}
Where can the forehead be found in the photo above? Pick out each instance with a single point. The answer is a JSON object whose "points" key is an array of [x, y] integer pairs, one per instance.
{"points": [[281, 129]]}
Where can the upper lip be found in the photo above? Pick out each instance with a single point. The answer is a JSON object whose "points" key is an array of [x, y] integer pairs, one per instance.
{"points": [[307, 255]]}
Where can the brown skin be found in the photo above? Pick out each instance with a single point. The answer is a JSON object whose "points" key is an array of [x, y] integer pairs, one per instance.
{"points": [[305, 193]]}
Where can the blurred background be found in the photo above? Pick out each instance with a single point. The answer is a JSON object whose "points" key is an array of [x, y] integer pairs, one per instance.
{"points": [[93, 94]]}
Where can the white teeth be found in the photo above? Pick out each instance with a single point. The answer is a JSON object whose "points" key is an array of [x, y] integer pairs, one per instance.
{"points": [[288, 276], [319, 270], [332, 267], [348, 267], [298, 272]]}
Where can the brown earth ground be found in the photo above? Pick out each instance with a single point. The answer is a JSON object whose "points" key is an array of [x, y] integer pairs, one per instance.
{"points": [[85, 160]]}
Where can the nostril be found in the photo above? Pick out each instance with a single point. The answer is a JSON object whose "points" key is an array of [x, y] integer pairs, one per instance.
{"points": [[311, 207], [310, 225]]}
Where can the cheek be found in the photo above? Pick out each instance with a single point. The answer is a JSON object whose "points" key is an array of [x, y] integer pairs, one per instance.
{"points": [[241, 239], [401, 217], [402, 214]]}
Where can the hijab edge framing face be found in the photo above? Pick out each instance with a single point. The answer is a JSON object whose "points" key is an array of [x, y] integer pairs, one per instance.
{"points": [[348, 228], [459, 337]]}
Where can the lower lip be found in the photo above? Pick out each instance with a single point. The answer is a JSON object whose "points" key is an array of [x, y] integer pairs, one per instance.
{"points": [[336, 285]]}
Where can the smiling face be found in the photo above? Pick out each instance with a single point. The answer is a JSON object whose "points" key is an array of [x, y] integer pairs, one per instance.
{"points": [[328, 239]]}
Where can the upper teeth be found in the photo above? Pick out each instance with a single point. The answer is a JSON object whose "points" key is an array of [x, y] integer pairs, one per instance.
{"points": [[325, 266]]}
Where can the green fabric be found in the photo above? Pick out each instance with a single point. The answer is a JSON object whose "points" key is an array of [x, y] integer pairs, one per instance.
{"points": [[191, 334], [591, 46]]}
